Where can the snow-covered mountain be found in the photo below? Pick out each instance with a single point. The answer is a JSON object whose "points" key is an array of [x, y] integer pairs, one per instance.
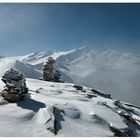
{"points": [[64, 109], [110, 71]]}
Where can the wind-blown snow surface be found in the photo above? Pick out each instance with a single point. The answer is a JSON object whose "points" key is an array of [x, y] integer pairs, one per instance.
{"points": [[110, 71], [77, 113]]}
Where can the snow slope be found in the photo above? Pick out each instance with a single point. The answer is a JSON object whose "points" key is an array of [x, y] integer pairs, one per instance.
{"points": [[63, 109], [110, 71]]}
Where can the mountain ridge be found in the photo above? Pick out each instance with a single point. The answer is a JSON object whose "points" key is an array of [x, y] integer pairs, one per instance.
{"points": [[109, 71]]}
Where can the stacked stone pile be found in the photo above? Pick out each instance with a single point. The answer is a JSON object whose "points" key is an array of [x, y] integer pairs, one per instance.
{"points": [[15, 88]]}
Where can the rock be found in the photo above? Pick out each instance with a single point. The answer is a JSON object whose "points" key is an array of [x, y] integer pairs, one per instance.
{"points": [[90, 96], [101, 94], [2, 101], [117, 132], [80, 88], [56, 118], [15, 88], [11, 97]]}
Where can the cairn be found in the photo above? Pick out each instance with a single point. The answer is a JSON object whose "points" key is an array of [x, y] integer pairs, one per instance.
{"points": [[15, 89], [50, 73], [48, 70]]}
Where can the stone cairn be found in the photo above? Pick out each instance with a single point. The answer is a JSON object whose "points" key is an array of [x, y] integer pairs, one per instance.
{"points": [[48, 70], [15, 89]]}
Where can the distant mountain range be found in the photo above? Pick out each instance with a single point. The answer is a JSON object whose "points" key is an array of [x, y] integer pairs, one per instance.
{"points": [[110, 71]]}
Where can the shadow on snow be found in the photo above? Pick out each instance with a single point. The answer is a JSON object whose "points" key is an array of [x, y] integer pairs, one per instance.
{"points": [[31, 104]]}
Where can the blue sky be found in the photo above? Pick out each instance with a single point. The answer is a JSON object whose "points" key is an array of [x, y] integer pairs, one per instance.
{"points": [[26, 28]]}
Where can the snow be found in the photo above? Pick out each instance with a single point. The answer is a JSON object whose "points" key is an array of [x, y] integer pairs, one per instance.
{"points": [[40, 57], [109, 71], [75, 113]]}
